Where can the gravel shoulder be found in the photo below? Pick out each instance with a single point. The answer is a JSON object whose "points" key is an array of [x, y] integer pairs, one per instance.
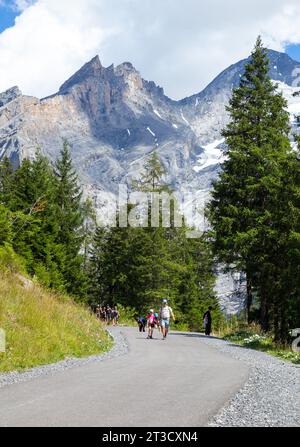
{"points": [[120, 347], [269, 398]]}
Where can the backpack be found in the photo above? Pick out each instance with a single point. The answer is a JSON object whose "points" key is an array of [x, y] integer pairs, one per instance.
{"points": [[151, 318], [165, 312]]}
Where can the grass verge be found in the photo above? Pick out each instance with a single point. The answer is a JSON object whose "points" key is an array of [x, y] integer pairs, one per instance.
{"points": [[252, 338], [42, 327]]}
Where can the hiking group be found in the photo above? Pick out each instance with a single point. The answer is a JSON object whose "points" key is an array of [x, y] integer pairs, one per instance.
{"points": [[161, 321], [107, 314]]}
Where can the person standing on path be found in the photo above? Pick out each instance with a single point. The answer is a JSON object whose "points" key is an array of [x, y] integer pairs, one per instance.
{"points": [[108, 314], [98, 312], [150, 323], [207, 321], [142, 321], [165, 314], [115, 316]]}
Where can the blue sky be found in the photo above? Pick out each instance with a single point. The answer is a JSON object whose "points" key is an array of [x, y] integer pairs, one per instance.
{"points": [[7, 16], [294, 51]]}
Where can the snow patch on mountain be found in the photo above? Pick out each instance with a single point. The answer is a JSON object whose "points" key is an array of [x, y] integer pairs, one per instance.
{"points": [[184, 119], [158, 114], [212, 155], [292, 95], [151, 131]]}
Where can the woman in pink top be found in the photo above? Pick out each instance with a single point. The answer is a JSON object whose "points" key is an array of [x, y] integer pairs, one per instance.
{"points": [[150, 323]]}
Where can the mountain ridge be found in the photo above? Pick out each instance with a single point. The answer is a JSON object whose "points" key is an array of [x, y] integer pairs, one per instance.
{"points": [[113, 119], [114, 116]]}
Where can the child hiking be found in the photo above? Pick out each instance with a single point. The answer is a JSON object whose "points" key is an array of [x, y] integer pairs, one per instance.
{"points": [[151, 321]]}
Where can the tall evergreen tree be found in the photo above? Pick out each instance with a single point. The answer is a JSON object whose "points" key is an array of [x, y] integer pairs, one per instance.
{"points": [[70, 221], [28, 202], [45, 220], [251, 212], [6, 179]]}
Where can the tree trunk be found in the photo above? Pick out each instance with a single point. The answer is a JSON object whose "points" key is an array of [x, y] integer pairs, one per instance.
{"points": [[264, 312], [249, 299], [283, 322], [276, 322]]}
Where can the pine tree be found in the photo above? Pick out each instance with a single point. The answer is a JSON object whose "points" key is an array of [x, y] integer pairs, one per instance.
{"points": [[250, 211], [48, 251], [28, 208], [70, 221], [5, 225], [292, 267], [152, 178], [68, 199], [44, 220], [6, 175], [30, 198], [6, 179], [96, 268]]}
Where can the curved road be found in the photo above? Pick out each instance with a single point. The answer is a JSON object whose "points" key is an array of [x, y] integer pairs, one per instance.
{"points": [[177, 382]]}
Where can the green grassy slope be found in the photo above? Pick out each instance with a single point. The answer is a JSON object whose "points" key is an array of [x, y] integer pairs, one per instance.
{"points": [[42, 327]]}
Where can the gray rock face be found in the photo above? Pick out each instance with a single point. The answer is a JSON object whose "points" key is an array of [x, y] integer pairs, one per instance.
{"points": [[9, 96], [113, 119]]}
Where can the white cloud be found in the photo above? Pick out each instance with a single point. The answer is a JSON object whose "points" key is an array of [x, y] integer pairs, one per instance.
{"points": [[17, 5], [21, 5], [180, 45]]}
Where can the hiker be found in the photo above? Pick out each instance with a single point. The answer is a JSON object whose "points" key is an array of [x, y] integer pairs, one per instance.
{"points": [[157, 323], [102, 313], [150, 323], [142, 324], [115, 316], [108, 314], [164, 316], [98, 312], [207, 320]]}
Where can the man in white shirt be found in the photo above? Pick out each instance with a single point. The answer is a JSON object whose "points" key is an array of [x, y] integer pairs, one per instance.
{"points": [[164, 315]]}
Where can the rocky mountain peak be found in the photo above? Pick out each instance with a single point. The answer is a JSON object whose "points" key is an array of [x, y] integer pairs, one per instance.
{"points": [[91, 69], [125, 68], [282, 67], [9, 95]]}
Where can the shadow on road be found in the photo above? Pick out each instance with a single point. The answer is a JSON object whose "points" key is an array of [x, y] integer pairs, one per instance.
{"points": [[145, 338], [193, 335], [186, 334]]}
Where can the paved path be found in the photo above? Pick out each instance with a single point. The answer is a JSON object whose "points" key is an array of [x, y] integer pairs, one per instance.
{"points": [[178, 382]]}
